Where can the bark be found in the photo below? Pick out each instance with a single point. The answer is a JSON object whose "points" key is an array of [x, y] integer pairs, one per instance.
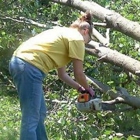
{"points": [[112, 56], [119, 23], [113, 19]]}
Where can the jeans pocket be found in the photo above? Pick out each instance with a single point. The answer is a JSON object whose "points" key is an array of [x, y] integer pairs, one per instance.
{"points": [[16, 66]]}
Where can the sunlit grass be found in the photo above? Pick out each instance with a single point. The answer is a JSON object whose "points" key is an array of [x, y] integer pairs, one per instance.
{"points": [[9, 117]]}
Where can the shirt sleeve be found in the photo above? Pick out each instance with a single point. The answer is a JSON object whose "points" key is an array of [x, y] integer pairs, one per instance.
{"points": [[77, 49]]}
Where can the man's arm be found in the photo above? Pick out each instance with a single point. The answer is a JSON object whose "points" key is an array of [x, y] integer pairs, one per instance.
{"points": [[66, 78], [79, 74]]}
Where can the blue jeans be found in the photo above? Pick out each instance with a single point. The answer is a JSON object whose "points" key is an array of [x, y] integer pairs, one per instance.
{"points": [[28, 81]]}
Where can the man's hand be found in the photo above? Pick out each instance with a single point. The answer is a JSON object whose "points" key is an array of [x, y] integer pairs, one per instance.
{"points": [[89, 90]]}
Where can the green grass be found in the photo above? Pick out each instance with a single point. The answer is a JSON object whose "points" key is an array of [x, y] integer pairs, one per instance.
{"points": [[65, 123], [9, 117]]}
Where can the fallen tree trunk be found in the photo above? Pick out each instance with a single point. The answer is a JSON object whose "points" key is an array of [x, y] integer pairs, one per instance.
{"points": [[112, 56], [113, 19]]}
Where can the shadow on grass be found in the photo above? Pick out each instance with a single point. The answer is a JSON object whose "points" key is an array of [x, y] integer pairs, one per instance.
{"points": [[9, 134]]}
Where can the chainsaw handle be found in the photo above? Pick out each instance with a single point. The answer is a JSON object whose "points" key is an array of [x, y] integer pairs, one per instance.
{"points": [[81, 89], [89, 91]]}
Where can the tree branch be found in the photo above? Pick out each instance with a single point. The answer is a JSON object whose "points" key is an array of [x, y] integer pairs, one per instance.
{"points": [[120, 96], [29, 21], [112, 56], [113, 19]]}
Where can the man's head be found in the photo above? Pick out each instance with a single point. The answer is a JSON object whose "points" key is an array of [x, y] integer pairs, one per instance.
{"points": [[84, 26], [86, 30]]}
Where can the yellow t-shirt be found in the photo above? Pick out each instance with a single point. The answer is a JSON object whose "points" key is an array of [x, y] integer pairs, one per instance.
{"points": [[53, 48]]}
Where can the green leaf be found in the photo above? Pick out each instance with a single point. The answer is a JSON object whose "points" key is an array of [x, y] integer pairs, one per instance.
{"points": [[3, 33]]}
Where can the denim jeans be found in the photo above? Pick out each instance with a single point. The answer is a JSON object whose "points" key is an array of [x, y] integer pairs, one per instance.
{"points": [[28, 81]]}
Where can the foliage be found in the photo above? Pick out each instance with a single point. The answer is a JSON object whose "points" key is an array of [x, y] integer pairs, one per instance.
{"points": [[64, 121]]}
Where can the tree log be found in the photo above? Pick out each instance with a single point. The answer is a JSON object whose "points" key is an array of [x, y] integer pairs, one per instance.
{"points": [[112, 56], [113, 19]]}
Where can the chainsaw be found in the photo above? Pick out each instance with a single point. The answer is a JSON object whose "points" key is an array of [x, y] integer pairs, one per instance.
{"points": [[86, 103]]}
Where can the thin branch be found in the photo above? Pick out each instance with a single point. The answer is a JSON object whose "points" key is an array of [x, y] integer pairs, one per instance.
{"points": [[107, 36], [59, 102], [101, 39], [29, 21], [96, 24]]}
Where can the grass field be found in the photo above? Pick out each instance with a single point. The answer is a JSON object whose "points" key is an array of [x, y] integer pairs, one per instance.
{"points": [[9, 117], [59, 123]]}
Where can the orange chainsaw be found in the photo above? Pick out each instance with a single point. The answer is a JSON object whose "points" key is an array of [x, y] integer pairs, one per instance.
{"points": [[86, 103]]}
